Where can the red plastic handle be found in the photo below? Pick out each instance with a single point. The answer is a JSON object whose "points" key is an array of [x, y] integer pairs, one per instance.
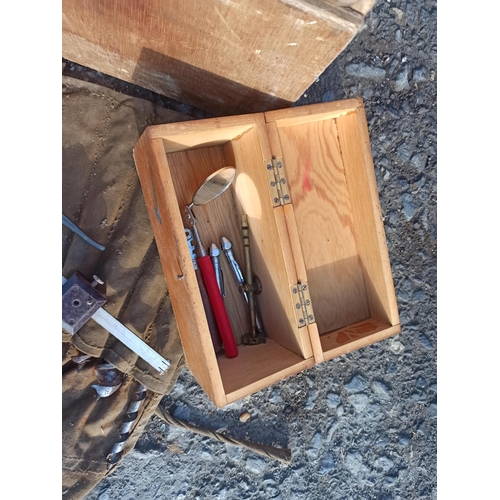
{"points": [[225, 330]]}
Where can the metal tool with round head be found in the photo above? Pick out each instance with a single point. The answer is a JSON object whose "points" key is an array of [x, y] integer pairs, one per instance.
{"points": [[211, 188]]}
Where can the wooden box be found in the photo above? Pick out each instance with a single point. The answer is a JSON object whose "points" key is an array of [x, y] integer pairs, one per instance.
{"points": [[323, 232]]}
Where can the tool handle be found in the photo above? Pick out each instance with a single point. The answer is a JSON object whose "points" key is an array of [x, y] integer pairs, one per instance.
{"points": [[212, 323], [225, 330]]}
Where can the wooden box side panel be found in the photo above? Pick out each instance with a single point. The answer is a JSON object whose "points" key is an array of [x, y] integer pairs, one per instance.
{"points": [[159, 194], [366, 213]]}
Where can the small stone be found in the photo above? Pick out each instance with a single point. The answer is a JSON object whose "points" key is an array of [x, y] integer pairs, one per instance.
{"points": [[384, 463], [357, 383], [234, 452], [326, 464], [409, 207], [331, 430], [424, 340], [421, 383], [404, 439], [327, 96], [313, 451], [104, 496], [432, 411], [420, 75], [401, 81], [340, 410], [310, 400], [418, 161], [275, 395], [255, 465], [363, 70], [382, 441], [359, 401], [270, 488], [354, 462], [418, 396], [381, 389], [245, 417], [332, 400], [391, 368], [396, 346]]}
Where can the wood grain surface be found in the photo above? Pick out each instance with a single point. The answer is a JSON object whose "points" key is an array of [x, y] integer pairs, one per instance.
{"points": [[222, 56]]}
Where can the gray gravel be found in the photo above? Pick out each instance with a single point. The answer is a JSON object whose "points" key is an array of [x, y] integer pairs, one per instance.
{"points": [[362, 426]]}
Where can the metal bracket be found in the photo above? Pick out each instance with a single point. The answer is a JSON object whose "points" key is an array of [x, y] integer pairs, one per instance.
{"points": [[80, 300], [302, 304], [280, 194]]}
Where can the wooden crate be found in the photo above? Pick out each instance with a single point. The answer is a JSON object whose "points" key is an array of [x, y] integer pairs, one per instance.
{"points": [[330, 237], [222, 56]]}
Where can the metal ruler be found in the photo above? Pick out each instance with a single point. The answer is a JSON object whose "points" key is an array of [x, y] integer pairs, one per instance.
{"points": [[81, 302]]}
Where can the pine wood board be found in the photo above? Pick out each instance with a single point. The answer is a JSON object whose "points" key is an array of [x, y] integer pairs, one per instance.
{"points": [[222, 56]]}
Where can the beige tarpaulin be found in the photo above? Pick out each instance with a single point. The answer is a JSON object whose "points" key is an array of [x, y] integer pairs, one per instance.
{"points": [[101, 194]]}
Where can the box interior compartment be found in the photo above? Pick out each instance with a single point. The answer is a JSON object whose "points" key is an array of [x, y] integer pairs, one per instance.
{"points": [[330, 176], [191, 158]]}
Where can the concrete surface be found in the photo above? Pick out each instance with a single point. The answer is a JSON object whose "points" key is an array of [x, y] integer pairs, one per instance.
{"points": [[362, 426]]}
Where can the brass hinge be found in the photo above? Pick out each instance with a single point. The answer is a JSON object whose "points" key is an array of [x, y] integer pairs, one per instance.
{"points": [[302, 304], [280, 195]]}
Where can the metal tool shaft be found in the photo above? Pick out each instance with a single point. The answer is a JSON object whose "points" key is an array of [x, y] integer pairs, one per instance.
{"points": [[249, 277], [226, 246], [215, 256]]}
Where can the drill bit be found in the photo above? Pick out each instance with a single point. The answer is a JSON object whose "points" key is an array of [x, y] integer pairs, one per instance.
{"points": [[281, 454], [127, 426]]}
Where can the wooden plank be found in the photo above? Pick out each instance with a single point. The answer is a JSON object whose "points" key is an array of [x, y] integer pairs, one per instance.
{"points": [[223, 56], [367, 217]]}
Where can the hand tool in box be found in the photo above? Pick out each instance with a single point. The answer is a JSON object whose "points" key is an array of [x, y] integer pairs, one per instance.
{"points": [[82, 301], [213, 187], [226, 247], [212, 323], [250, 287], [215, 256]]}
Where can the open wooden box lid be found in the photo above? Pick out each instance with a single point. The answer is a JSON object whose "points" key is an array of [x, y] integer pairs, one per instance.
{"points": [[321, 233]]}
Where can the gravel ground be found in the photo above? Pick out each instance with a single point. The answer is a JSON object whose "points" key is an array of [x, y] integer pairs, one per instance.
{"points": [[362, 426]]}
